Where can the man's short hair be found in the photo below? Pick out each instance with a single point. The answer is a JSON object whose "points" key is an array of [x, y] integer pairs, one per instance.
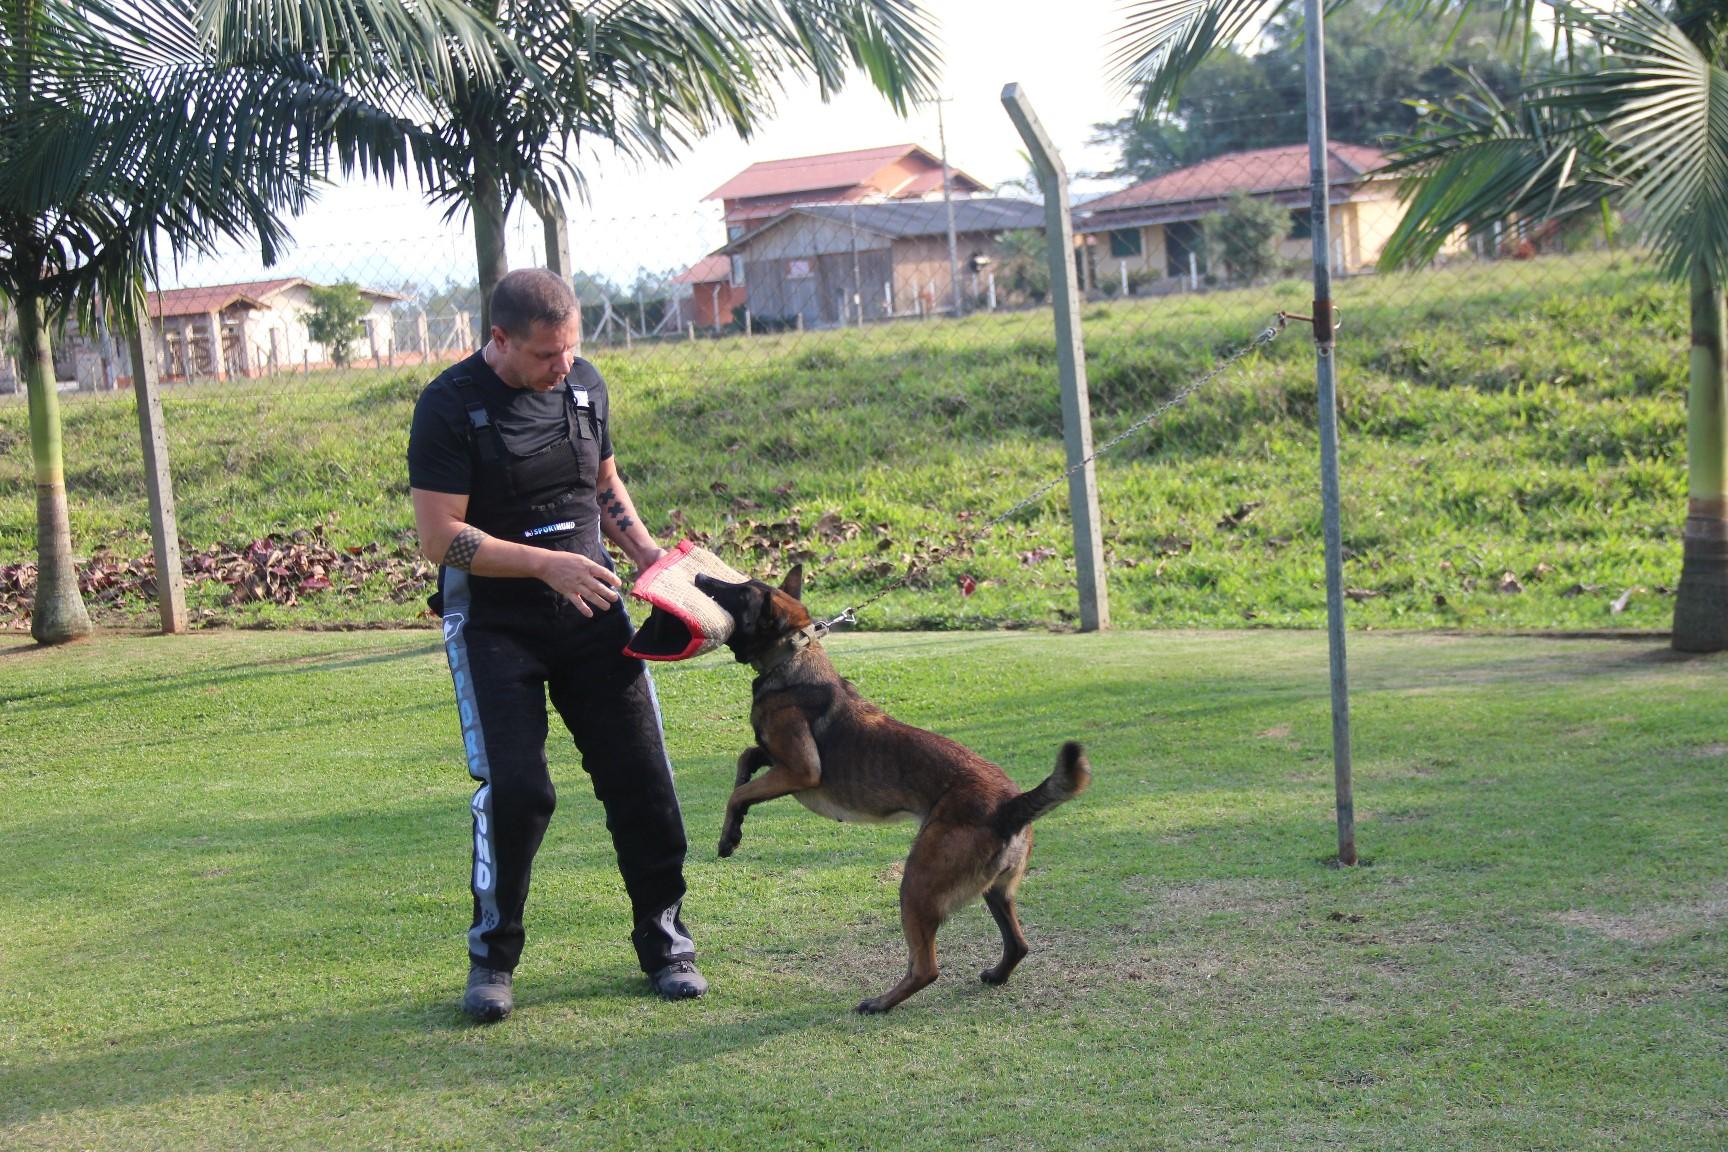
{"points": [[530, 296]]}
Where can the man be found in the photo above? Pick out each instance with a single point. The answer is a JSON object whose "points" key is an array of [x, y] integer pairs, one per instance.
{"points": [[511, 471]]}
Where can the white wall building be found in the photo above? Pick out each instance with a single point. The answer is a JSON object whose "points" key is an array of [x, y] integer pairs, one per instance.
{"points": [[263, 329]]}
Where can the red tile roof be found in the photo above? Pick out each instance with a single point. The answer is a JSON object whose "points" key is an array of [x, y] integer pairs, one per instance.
{"points": [[829, 171], [762, 207], [214, 297], [217, 297], [930, 183], [705, 271], [1259, 170]]}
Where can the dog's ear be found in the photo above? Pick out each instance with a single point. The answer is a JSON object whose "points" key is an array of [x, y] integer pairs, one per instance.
{"points": [[793, 585]]}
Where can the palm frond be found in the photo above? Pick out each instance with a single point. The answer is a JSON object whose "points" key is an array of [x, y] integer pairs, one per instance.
{"points": [[1663, 106], [430, 45], [1161, 42], [131, 129], [650, 77], [1478, 163]]}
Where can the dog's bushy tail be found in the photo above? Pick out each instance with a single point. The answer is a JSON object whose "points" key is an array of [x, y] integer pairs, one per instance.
{"points": [[1071, 777]]}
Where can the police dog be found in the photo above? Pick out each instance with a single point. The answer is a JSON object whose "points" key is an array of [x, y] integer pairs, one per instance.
{"points": [[842, 756]]}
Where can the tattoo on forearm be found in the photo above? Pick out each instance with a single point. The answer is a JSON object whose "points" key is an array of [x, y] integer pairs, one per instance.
{"points": [[614, 508], [461, 552]]}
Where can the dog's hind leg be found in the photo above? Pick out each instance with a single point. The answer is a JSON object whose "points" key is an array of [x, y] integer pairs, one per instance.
{"points": [[999, 898], [919, 919], [941, 874]]}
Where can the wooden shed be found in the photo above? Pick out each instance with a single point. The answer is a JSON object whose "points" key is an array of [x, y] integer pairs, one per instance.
{"points": [[830, 264]]}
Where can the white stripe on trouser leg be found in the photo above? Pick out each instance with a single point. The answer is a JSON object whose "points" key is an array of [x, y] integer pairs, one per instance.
{"points": [[678, 942], [660, 730], [484, 879]]}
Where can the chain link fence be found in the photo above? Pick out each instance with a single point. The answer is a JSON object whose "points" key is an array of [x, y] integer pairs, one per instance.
{"points": [[853, 385]]}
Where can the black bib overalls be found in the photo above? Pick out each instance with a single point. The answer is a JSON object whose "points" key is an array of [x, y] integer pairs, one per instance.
{"points": [[514, 643]]}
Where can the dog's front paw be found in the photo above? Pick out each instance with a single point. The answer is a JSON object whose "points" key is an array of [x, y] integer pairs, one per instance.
{"points": [[873, 1006], [729, 840]]}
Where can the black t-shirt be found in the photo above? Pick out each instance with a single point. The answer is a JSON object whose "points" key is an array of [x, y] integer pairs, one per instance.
{"points": [[542, 490], [440, 454]]}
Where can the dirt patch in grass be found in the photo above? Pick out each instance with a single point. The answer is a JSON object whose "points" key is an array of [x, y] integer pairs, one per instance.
{"points": [[1262, 899], [1654, 925]]}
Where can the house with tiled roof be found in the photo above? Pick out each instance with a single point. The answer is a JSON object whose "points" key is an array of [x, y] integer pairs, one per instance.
{"points": [[1151, 230], [820, 265], [863, 176], [255, 328], [241, 330], [769, 188]]}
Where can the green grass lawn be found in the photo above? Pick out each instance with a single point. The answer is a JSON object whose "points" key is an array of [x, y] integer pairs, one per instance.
{"points": [[235, 899], [1522, 420]]}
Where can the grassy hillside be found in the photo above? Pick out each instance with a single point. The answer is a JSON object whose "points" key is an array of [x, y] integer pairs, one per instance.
{"points": [[1513, 456]]}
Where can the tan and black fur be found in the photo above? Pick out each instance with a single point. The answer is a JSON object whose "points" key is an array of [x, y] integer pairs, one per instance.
{"points": [[841, 756]]}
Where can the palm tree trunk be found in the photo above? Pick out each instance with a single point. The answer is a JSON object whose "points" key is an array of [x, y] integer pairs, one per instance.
{"points": [[58, 614], [1701, 604], [489, 212]]}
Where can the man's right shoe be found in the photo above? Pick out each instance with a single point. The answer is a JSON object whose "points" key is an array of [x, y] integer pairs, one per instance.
{"points": [[679, 980], [489, 997]]}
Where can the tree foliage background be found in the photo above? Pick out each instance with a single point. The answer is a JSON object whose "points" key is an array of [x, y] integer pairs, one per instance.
{"points": [[335, 319], [1377, 67]]}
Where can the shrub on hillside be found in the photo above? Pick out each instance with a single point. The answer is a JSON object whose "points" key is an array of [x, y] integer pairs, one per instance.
{"points": [[1245, 236], [335, 319]]}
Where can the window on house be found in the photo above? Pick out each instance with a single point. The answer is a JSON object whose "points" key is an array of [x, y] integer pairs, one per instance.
{"points": [[737, 271], [1124, 242], [1301, 224], [733, 231]]}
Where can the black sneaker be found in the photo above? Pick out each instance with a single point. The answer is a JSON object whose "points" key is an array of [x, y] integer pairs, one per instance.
{"points": [[489, 997], [679, 980]]}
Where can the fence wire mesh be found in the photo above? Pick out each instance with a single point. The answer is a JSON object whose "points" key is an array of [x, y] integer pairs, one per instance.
{"points": [[836, 384]]}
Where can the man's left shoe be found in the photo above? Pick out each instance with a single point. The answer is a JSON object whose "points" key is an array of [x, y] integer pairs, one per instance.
{"points": [[679, 980]]}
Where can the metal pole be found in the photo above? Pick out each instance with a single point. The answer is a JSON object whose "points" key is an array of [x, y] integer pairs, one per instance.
{"points": [[1319, 184], [555, 225], [948, 203], [164, 525], [1071, 362], [857, 278]]}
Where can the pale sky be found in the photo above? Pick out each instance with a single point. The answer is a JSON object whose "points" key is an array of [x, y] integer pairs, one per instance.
{"points": [[655, 217]]}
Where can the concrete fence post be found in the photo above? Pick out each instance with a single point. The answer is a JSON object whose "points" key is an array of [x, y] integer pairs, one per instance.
{"points": [[1071, 362], [164, 524]]}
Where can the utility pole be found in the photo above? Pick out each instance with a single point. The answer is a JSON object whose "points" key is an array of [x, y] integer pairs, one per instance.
{"points": [[948, 203]]}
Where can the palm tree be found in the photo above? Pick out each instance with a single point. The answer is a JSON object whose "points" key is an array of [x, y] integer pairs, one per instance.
{"points": [[647, 78], [127, 126], [1646, 127]]}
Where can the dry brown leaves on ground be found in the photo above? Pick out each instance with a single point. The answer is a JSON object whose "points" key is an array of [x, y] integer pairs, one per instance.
{"points": [[768, 548], [274, 570]]}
